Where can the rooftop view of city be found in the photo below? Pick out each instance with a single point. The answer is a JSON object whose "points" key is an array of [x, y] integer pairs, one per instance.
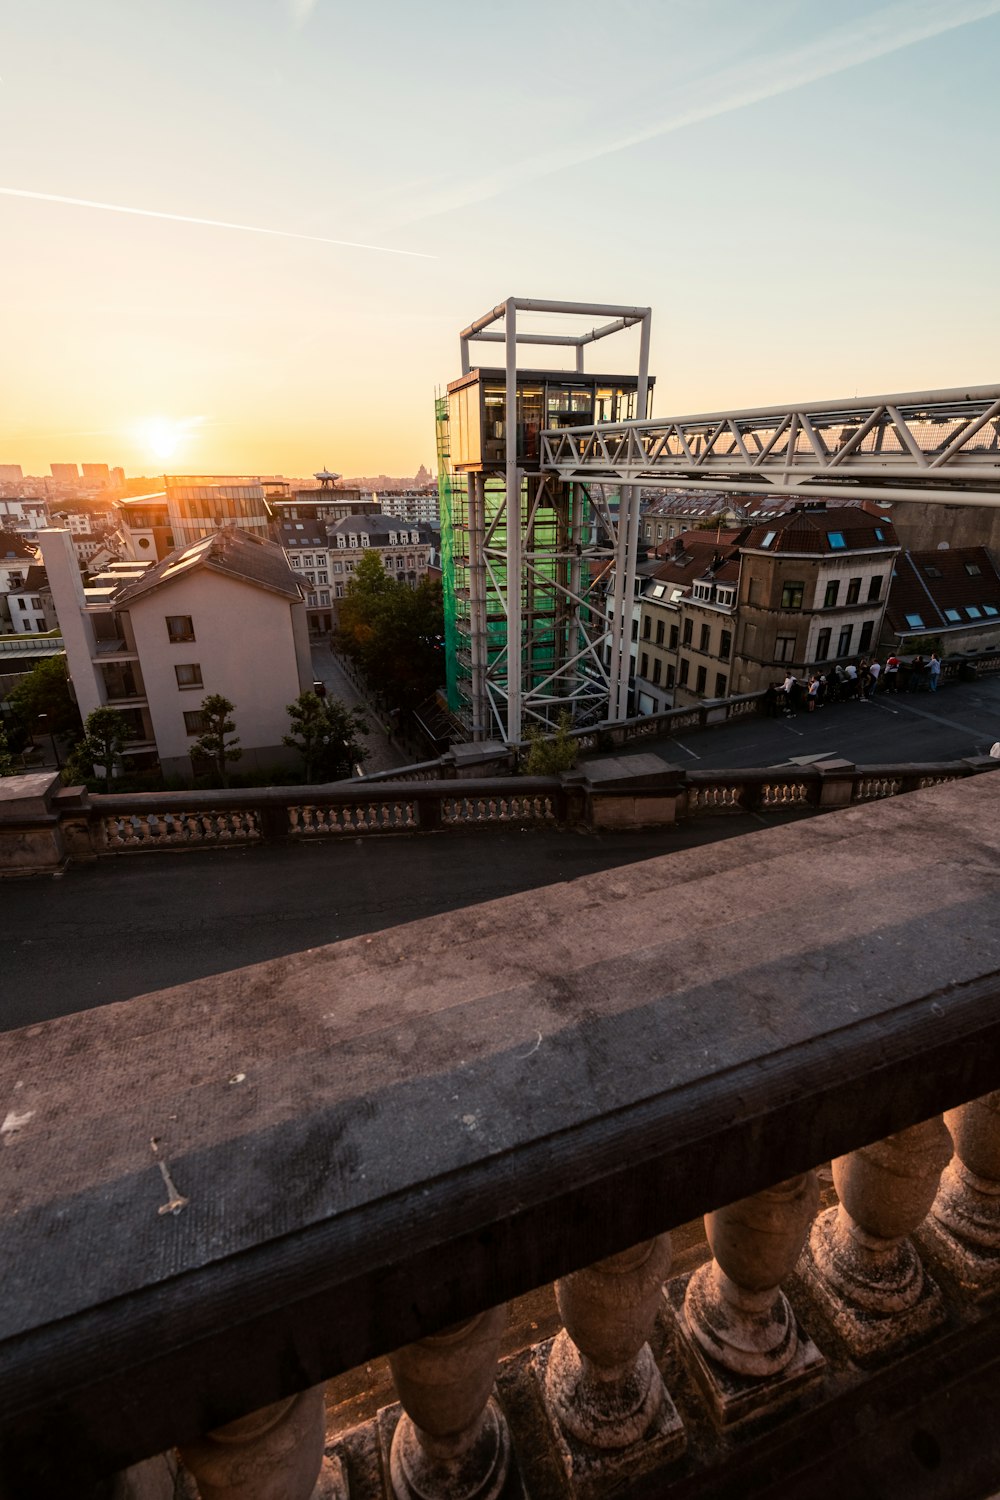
{"points": [[499, 723]]}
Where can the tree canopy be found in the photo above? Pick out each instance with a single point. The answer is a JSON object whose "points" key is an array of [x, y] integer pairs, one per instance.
{"points": [[217, 744], [326, 732], [99, 754], [393, 632], [45, 690]]}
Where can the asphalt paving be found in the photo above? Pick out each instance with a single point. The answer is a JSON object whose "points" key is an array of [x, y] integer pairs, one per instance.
{"points": [[135, 923]]}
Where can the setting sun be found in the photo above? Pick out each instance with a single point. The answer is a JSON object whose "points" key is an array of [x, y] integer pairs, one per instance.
{"points": [[164, 438]]}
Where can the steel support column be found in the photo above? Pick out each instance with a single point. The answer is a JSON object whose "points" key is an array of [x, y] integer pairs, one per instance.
{"points": [[513, 488]]}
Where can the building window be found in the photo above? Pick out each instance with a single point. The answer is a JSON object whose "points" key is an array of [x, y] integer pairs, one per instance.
{"points": [[348, 567], [705, 638], [685, 668], [322, 578], [720, 684], [915, 622], [657, 669], [188, 676], [701, 679], [365, 539], [180, 628], [832, 595], [836, 540], [865, 638], [973, 570], [725, 644], [338, 567], [307, 561], [725, 596], [874, 589], [635, 630], [688, 632], [659, 632], [844, 644], [194, 722], [769, 538], [972, 610], [340, 591], [854, 591], [784, 648], [647, 627], [341, 541], [953, 616], [823, 644], [673, 638], [791, 596], [671, 675], [644, 666]]}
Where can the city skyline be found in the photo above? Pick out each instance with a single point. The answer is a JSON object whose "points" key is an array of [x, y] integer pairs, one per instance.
{"points": [[246, 239]]}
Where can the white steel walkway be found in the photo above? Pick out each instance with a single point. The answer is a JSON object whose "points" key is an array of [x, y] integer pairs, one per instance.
{"points": [[924, 445]]}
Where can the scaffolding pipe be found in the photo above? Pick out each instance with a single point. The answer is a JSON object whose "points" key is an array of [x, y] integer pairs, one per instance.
{"points": [[628, 520], [513, 488]]}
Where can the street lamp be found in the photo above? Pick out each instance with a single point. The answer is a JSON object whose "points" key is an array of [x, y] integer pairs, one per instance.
{"points": [[43, 720]]}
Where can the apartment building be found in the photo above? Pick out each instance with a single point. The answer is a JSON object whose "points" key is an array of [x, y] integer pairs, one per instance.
{"points": [[324, 555], [813, 589], [223, 615]]}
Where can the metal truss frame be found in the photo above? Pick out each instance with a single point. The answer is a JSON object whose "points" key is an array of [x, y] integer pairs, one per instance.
{"points": [[499, 690], [941, 446]]}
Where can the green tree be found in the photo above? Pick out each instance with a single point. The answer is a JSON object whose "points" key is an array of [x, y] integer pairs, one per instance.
{"points": [[325, 733], [99, 753], [7, 766], [394, 633], [551, 755], [45, 690], [214, 748]]}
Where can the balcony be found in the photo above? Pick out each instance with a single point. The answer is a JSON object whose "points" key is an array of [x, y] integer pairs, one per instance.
{"points": [[224, 1195]]}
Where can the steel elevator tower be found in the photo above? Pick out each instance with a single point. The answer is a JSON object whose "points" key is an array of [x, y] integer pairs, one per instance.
{"points": [[528, 557]]}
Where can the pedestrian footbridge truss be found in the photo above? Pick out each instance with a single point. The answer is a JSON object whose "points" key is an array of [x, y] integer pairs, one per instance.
{"points": [[927, 445]]}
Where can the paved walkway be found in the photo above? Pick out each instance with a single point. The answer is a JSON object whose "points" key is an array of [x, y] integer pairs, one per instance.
{"points": [[960, 719], [382, 755]]}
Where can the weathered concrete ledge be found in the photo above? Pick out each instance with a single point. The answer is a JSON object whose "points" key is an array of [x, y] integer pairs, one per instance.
{"points": [[376, 1138]]}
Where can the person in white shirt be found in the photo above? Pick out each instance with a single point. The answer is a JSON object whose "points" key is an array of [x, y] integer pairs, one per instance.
{"points": [[873, 674]]}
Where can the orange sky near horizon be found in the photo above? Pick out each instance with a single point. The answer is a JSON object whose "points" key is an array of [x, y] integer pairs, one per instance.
{"points": [[758, 175]]}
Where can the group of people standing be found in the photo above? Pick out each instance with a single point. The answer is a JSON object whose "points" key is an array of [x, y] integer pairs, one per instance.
{"points": [[858, 681]]}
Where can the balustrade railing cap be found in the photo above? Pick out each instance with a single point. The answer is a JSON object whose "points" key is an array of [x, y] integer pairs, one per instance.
{"points": [[454, 1103]]}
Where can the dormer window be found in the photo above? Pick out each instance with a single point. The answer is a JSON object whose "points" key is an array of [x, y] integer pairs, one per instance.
{"points": [[341, 540], [725, 595], [392, 539], [353, 539], [365, 539], [702, 591]]}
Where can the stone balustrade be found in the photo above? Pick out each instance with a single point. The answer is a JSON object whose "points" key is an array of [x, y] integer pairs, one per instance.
{"points": [[43, 824], [218, 1198]]}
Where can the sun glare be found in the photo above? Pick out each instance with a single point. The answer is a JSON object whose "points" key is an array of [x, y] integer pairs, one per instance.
{"points": [[162, 437]]}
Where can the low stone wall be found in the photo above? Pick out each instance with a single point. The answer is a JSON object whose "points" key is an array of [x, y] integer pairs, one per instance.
{"points": [[217, 1197]]}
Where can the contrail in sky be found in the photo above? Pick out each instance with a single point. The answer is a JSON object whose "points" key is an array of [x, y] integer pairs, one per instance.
{"points": [[153, 213], [846, 45]]}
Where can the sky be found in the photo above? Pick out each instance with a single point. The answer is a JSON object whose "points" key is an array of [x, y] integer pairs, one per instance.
{"points": [[242, 236]]}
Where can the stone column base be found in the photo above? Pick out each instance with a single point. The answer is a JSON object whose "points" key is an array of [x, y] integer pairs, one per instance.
{"points": [[589, 1470], [869, 1332], [502, 1482], [976, 1268], [735, 1398]]}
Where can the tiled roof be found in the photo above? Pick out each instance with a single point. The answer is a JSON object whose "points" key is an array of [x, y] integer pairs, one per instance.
{"points": [[13, 546], [939, 588], [229, 551], [810, 530], [36, 578]]}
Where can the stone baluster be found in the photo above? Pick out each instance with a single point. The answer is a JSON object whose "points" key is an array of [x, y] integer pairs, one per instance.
{"points": [[605, 1396], [275, 1453], [963, 1226], [861, 1263], [452, 1439], [749, 1352]]}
